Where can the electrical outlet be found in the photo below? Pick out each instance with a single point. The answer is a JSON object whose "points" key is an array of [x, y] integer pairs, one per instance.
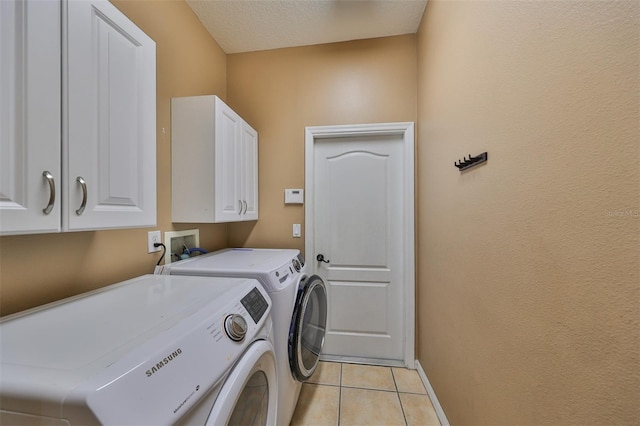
{"points": [[152, 238], [176, 241]]}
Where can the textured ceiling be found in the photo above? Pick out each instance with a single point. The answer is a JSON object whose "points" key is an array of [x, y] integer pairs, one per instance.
{"points": [[250, 25]]}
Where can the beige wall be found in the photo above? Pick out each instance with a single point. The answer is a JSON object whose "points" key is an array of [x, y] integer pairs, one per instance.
{"points": [[36, 269], [529, 268], [279, 92]]}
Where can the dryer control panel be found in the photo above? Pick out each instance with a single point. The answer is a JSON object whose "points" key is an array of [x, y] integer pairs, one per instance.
{"points": [[255, 304]]}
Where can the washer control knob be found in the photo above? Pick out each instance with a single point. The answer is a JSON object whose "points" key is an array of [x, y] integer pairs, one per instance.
{"points": [[236, 327], [296, 265]]}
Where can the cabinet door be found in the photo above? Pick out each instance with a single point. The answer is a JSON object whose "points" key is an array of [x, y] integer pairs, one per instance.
{"points": [[109, 137], [29, 116], [228, 198], [249, 167]]}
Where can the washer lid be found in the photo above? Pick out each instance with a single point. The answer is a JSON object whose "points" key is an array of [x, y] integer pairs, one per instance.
{"points": [[73, 351], [269, 266]]}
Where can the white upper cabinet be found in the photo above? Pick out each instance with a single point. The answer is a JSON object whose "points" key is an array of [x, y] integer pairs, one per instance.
{"points": [[111, 111], [249, 176], [30, 168], [214, 162], [78, 149]]}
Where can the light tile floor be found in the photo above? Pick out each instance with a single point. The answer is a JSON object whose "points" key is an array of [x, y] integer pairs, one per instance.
{"points": [[352, 394]]}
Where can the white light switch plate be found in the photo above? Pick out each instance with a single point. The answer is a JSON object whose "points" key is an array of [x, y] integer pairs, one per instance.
{"points": [[296, 230]]}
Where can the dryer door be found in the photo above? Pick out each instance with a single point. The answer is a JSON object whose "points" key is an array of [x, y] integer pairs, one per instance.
{"points": [[306, 335], [249, 395]]}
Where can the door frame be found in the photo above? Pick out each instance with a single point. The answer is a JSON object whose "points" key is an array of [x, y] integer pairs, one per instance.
{"points": [[316, 134]]}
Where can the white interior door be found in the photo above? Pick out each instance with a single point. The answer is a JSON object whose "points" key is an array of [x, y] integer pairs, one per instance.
{"points": [[357, 188]]}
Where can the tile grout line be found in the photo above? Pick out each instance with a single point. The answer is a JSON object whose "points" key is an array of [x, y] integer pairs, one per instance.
{"points": [[370, 389], [340, 395], [404, 415], [331, 385]]}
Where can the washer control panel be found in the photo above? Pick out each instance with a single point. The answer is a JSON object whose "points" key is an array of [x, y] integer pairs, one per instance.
{"points": [[255, 304]]}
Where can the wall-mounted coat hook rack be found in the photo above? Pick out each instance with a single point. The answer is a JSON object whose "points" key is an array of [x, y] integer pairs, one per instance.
{"points": [[471, 161]]}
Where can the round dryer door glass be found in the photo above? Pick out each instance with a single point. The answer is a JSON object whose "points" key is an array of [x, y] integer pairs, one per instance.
{"points": [[306, 336], [249, 394], [253, 404]]}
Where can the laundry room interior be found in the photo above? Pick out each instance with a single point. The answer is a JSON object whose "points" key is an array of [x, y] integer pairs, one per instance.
{"points": [[525, 284]]}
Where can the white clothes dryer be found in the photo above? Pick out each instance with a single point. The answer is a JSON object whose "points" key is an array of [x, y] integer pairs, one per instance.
{"points": [[299, 309], [154, 350]]}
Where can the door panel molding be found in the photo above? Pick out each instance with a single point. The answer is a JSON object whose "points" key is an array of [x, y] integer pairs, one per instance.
{"points": [[405, 130]]}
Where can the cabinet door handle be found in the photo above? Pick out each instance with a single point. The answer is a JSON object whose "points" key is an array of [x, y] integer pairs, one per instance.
{"points": [[52, 191], [83, 184], [245, 206], [240, 211]]}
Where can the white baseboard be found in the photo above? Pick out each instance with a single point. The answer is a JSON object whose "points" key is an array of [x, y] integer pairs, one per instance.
{"points": [[432, 395]]}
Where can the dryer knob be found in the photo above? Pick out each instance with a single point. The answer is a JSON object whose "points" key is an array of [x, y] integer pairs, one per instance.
{"points": [[236, 327], [296, 265]]}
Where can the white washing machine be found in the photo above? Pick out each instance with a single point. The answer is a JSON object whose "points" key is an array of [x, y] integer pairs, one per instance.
{"points": [[154, 350], [299, 309]]}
